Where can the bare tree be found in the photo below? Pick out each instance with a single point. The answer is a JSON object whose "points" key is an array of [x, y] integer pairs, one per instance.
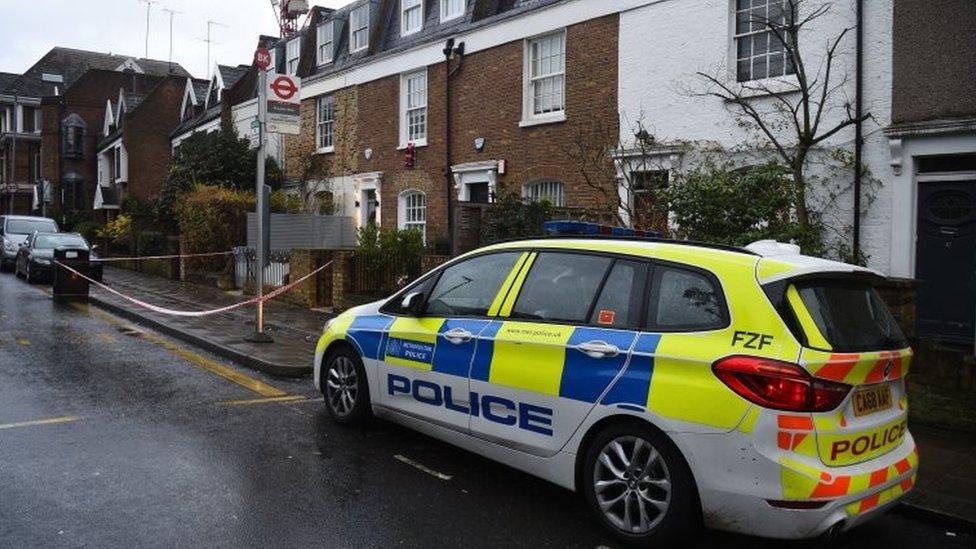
{"points": [[795, 124], [619, 171]]}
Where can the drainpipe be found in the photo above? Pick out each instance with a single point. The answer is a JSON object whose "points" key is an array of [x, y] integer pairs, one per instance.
{"points": [[858, 127], [448, 174]]}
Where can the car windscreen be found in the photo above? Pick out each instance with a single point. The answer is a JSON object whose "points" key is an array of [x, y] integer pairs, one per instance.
{"points": [[851, 315], [28, 226], [50, 241]]}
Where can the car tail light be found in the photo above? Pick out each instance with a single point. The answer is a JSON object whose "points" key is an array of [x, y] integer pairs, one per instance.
{"points": [[779, 385]]}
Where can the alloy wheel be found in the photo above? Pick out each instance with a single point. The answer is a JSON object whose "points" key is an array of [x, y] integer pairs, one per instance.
{"points": [[632, 484], [342, 386]]}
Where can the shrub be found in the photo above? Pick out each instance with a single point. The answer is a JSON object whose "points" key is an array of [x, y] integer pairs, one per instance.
{"points": [[512, 216], [387, 258], [118, 230], [213, 218], [714, 204], [87, 229], [151, 243]]}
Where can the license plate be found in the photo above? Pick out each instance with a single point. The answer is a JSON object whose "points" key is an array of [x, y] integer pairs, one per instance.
{"points": [[872, 399], [71, 255]]}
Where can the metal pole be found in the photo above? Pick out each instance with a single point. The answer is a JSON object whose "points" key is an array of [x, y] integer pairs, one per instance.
{"points": [[259, 336]]}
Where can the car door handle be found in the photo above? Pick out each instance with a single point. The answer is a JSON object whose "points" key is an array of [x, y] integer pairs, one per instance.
{"points": [[458, 336], [599, 349]]}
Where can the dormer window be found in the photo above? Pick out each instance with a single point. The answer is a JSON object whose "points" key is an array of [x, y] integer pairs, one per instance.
{"points": [[359, 29], [293, 54], [214, 96], [326, 42], [412, 16], [451, 9], [188, 111]]}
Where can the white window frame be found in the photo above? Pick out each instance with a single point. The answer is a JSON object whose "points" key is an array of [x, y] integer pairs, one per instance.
{"points": [[405, 110], [448, 16], [529, 116], [735, 37], [325, 46], [293, 53], [322, 124], [407, 206], [552, 190], [117, 163], [353, 29], [409, 5]]}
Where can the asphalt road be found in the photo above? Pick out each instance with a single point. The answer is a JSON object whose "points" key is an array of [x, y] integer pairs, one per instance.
{"points": [[113, 436]]}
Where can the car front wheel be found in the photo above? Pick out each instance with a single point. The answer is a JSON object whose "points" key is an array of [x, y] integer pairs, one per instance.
{"points": [[637, 484], [345, 387]]}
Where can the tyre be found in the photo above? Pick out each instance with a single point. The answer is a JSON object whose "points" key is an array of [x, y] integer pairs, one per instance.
{"points": [[637, 484], [345, 387]]}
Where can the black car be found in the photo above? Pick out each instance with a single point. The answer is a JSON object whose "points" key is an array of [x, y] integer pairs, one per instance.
{"points": [[35, 257]]}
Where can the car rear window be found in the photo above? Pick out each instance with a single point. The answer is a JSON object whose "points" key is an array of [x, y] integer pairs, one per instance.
{"points": [[59, 240], [28, 226], [685, 300], [850, 315]]}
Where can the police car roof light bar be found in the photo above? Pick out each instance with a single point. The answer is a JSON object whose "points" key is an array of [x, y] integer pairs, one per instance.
{"points": [[583, 229]]}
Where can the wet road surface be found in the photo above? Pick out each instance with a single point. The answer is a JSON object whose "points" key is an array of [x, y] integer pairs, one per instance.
{"points": [[113, 436]]}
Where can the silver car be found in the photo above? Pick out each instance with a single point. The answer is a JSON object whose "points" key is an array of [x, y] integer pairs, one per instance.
{"points": [[14, 230]]}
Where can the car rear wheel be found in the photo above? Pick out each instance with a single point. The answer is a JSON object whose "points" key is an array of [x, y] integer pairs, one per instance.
{"points": [[638, 485], [345, 387]]}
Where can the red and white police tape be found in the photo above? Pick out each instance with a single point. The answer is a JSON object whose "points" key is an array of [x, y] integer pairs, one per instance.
{"points": [[108, 259], [173, 312]]}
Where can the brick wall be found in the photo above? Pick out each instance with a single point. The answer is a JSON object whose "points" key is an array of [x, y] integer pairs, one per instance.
{"points": [[87, 98], [486, 103], [302, 163], [146, 138]]}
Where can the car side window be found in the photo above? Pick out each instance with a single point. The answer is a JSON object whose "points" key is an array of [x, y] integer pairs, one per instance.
{"points": [[468, 288], [619, 304], [561, 287], [685, 300]]}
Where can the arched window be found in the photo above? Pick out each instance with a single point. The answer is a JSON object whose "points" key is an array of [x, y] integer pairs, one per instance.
{"points": [[549, 190], [325, 202], [413, 211]]}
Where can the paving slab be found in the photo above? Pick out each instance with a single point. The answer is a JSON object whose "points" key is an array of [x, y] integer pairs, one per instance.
{"points": [[295, 330], [946, 487]]}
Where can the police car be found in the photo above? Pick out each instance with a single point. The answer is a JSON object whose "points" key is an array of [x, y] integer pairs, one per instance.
{"points": [[672, 384]]}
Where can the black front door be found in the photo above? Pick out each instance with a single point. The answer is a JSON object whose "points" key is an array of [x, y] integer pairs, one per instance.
{"points": [[945, 262], [478, 193]]}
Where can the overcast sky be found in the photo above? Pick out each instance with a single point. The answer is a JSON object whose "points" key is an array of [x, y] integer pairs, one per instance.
{"points": [[30, 28]]}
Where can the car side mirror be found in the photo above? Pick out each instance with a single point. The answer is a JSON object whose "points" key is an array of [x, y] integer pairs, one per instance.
{"points": [[94, 247], [412, 303]]}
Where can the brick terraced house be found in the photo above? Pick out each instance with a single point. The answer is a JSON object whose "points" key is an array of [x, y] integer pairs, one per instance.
{"points": [[134, 151], [394, 134], [29, 141]]}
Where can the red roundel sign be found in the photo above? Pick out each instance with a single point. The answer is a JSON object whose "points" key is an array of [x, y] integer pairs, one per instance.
{"points": [[284, 88]]}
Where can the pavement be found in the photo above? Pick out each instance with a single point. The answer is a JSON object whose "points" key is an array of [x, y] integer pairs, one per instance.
{"points": [[115, 435], [945, 491], [295, 330], [946, 487]]}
